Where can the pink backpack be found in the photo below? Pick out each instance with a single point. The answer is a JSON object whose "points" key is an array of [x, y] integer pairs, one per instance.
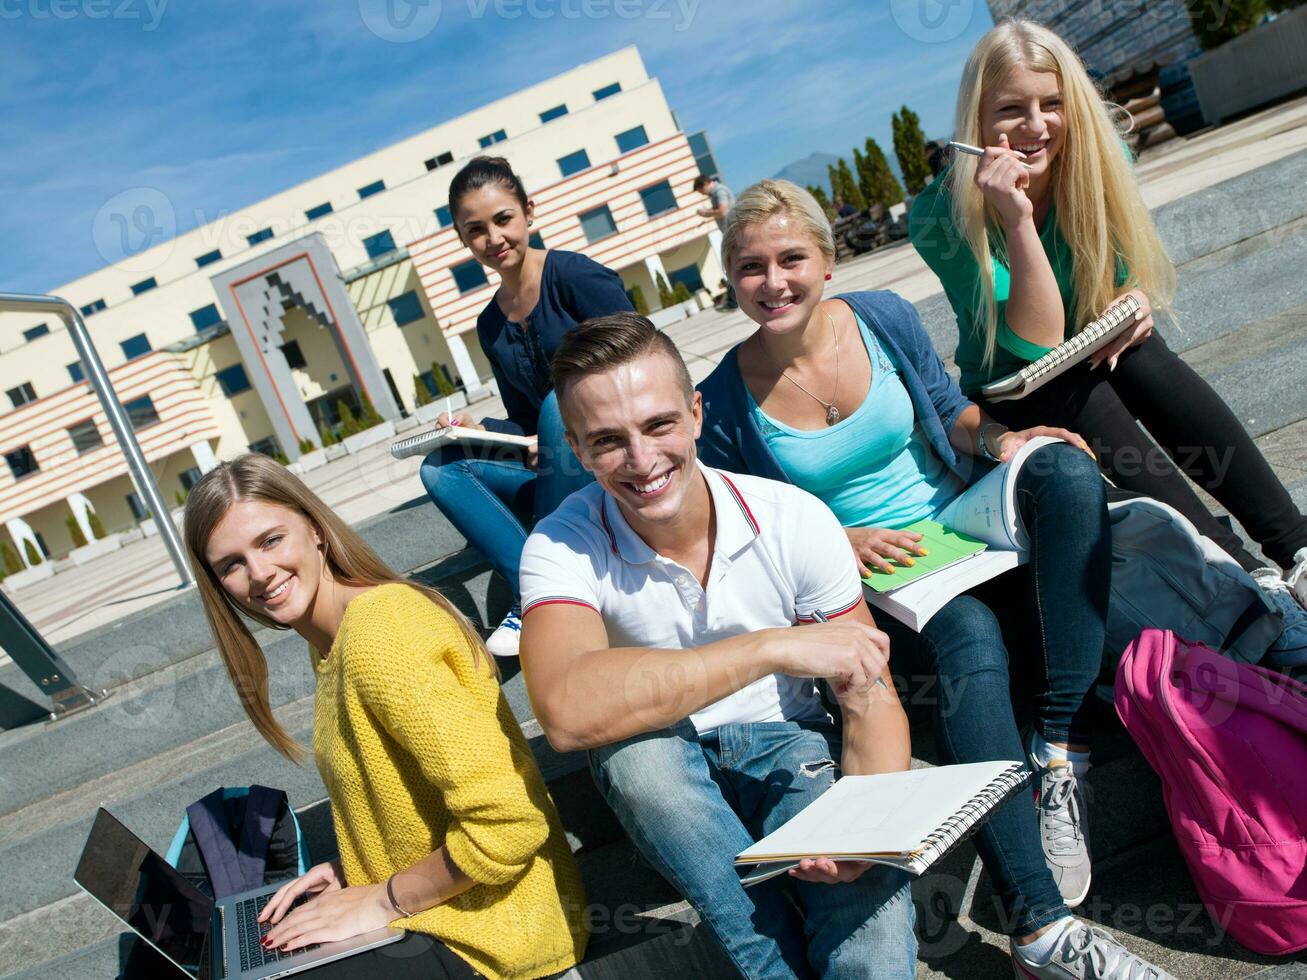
{"points": [[1229, 741]]}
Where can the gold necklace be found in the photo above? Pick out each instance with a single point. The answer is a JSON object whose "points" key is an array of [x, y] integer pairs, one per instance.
{"points": [[832, 413]]}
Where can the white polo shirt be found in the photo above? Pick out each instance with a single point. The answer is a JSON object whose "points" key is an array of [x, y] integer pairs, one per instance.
{"points": [[779, 554]]}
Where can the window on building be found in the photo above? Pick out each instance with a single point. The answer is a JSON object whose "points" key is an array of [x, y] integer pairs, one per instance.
{"points": [[140, 412], [294, 356], [206, 316], [574, 163], [188, 478], [658, 198], [535, 240], [90, 309], [498, 136], [233, 380], [406, 307], [469, 276], [144, 286], [689, 275], [76, 373], [85, 436], [439, 160], [268, 447], [382, 243], [313, 214], [376, 187], [262, 235], [21, 462], [21, 395], [602, 93], [554, 113], [31, 333], [703, 155], [632, 139], [134, 347], [137, 508], [597, 223], [444, 216], [208, 258]]}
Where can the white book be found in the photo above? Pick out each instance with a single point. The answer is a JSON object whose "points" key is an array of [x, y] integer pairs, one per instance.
{"points": [[986, 510], [1096, 335], [424, 442], [907, 820]]}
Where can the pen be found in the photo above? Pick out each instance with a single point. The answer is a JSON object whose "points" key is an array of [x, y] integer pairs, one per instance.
{"points": [[820, 617], [974, 151]]}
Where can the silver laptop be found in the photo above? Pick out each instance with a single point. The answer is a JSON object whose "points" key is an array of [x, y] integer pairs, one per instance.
{"points": [[206, 939]]}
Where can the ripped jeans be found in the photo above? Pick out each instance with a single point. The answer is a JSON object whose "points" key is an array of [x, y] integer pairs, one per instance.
{"points": [[691, 804]]}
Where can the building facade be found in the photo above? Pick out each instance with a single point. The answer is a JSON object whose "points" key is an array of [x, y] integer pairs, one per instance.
{"points": [[249, 331]]}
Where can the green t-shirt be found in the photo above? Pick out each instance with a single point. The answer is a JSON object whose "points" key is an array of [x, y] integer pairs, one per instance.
{"points": [[937, 240]]}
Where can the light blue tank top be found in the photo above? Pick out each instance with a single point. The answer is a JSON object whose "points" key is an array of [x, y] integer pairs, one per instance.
{"points": [[874, 468]]}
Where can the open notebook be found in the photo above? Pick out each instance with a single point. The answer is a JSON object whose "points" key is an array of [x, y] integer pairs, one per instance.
{"points": [[1119, 317], [432, 439], [908, 820]]}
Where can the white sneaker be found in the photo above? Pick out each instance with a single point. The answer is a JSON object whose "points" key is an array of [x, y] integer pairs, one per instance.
{"points": [[1063, 827], [1085, 953], [1297, 578], [506, 638]]}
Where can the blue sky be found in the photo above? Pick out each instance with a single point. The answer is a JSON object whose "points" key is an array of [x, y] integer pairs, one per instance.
{"points": [[219, 104]]}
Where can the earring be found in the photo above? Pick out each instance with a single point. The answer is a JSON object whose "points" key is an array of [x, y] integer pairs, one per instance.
{"points": [[530, 222], [828, 277]]}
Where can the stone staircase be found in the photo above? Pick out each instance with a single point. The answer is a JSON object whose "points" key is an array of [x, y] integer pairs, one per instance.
{"points": [[172, 729]]}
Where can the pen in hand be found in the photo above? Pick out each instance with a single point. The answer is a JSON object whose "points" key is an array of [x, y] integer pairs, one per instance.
{"points": [[820, 617]]}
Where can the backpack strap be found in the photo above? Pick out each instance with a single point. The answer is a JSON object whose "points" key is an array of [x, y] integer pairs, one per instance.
{"points": [[208, 819], [262, 807]]}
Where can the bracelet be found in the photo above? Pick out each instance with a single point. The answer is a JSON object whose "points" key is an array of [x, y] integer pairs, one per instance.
{"points": [[984, 442], [390, 897]]}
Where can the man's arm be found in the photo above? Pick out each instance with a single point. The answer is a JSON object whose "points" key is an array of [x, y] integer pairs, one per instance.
{"points": [[586, 693], [876, 737]]}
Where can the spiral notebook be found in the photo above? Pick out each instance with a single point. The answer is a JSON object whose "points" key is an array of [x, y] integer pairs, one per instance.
{"points": [[432, 439], [908, 820], [1096, 335]]}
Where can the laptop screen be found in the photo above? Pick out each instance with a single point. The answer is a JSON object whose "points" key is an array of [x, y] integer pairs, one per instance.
{"points": [[145, 891]]}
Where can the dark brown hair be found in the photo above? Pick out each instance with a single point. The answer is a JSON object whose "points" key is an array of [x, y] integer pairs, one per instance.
{"points": [[606, 342], [482, 172], [702, 181]]}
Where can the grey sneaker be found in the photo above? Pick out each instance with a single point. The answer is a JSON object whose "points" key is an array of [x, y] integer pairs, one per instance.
{"points": [[1297, 578], [1086, 953], [1290, 647], [1063, 828]]}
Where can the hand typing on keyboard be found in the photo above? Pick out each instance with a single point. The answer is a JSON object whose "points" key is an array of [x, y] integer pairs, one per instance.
{"points": [[331, 911]]}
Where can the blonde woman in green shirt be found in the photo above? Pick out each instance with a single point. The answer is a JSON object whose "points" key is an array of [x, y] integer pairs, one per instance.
{"points": [[1037, 238]]}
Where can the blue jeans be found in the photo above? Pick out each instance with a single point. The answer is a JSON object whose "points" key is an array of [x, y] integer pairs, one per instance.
{"points": [[690, 805], [1051, 615], [493, 500]]}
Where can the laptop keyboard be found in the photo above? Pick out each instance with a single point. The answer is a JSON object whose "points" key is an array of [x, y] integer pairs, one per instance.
{"points": [[250, 930]]}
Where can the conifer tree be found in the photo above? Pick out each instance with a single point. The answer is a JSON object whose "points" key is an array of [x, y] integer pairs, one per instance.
{"points": [[820, 194], [910, 148], [884, 185]]}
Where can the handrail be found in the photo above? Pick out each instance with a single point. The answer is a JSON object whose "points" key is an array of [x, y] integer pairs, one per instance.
{"points": [[137, 466]]}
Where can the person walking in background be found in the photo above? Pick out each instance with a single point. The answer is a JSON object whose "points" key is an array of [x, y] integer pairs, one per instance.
{"points": [[492, 499], [444, 823], [720, 200]]}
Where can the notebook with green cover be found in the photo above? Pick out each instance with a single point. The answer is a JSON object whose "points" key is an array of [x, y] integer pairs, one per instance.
{"points": [[943, 547]]}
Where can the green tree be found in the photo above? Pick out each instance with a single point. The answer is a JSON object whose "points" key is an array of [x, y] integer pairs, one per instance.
{"points": [[421, 393], [882, 186], [910, 148], [636, 295], [33, 556], [328, 437], [665, 298], [97, 529], [10, 559], [348, 423], [370, 416], [75, 532], [180, 498], [444, 387], [820, 194], [307, 445], [1217, 22], [843, 184], [681, 293]]}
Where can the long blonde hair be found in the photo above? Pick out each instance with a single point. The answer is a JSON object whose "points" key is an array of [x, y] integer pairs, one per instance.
{"points": [[1100, 211], [768, 198], [256, 477]]}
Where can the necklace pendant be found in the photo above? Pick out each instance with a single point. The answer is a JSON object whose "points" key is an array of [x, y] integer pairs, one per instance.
{"points": [[832, 414]]}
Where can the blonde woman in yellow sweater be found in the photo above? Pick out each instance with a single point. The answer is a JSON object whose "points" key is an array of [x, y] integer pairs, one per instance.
{"points": [[443, 821]]}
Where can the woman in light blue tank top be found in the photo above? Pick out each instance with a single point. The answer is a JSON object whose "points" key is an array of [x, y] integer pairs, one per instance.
{"points": [[848, 399]]}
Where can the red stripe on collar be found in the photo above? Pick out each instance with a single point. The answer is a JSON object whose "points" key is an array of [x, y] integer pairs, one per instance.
{"points": [[739, 499]]}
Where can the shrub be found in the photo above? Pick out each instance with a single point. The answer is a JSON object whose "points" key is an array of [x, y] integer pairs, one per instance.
{"points": [[665, 297], [75, 532], [348, 423], [1217, 23], [328, 437], [10, 559], [307, 445], [681, 293], [421, 393], [281, 458], [33, 556], [636, 295], [180, 498], [370, 416], [444, 387], [97, 529]]}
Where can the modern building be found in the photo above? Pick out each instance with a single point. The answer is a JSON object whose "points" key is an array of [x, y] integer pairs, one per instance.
{"points": [[248, 331], [1115, 38]]}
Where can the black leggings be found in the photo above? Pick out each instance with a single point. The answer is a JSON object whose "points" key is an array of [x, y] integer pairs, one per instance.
{"points": [[1197, 433]]}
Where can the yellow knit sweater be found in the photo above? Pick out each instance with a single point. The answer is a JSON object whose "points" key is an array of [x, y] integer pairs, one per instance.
{"points": [[418, 749]]}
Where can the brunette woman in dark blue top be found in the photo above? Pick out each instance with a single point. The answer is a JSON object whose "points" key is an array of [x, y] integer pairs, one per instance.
{"points": [[491, 498]]}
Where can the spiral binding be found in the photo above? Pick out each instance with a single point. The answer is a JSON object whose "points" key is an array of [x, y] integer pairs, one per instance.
{"points": [[1094, 332], [969, 817]]}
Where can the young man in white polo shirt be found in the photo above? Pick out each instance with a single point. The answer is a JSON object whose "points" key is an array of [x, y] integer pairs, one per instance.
{"points": [[659, 632]]}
